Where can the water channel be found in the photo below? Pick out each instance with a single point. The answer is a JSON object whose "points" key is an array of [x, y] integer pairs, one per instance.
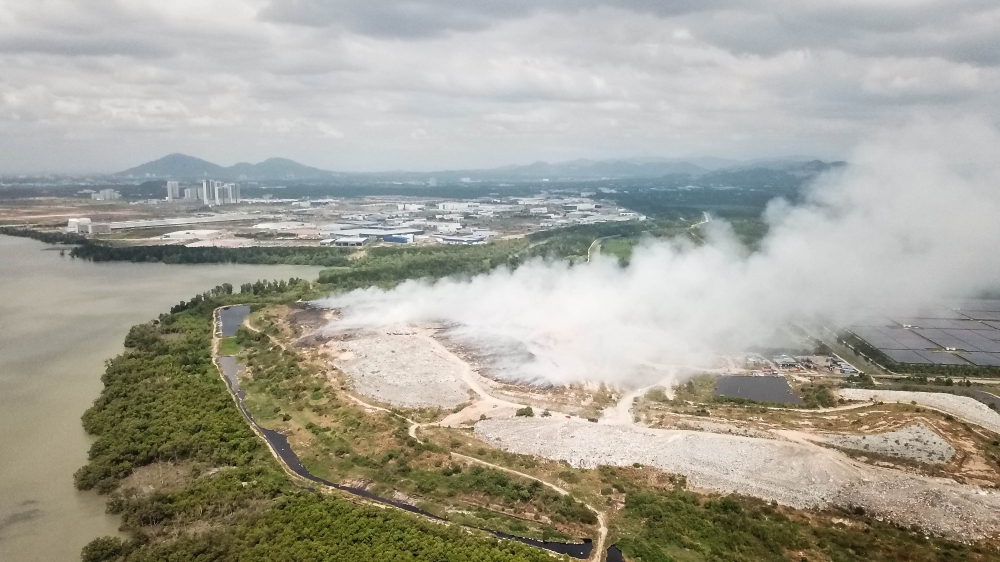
{"points": [[60, 319]]}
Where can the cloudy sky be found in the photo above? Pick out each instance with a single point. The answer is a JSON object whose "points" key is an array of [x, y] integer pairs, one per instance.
{"points": [[101, 85]]}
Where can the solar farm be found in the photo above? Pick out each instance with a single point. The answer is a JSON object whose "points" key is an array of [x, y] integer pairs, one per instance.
{"points": [[959, 333]]}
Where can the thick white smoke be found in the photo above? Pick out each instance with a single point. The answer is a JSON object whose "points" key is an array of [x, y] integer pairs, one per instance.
{"points": [[914, 219]]}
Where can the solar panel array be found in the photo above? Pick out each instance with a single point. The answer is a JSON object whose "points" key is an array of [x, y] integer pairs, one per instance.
{"points": [[959, 333]]}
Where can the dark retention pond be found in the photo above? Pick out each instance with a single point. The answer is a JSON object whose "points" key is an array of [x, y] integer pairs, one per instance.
{"points": [[230, 370], [762, 389], [230, 319]]}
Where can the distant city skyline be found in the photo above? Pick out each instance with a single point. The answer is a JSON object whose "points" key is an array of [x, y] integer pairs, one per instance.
{"points": [[440, 84]]}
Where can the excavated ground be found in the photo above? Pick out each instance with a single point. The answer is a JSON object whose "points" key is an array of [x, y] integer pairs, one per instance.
{"points": [[400, 368], [795, 474], [915, 442]]}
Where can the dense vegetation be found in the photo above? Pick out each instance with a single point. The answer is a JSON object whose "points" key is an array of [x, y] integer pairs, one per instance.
{"points": [[677, 203], [385, 266], [324, 256], [667, 525], [47, 237], [164, 403]]}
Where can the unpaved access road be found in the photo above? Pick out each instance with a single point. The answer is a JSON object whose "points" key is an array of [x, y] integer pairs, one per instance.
{"points": [[963, 407], [792, 473]]}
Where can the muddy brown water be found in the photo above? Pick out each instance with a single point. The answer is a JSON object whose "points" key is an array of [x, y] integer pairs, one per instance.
{"points": [[60, 319]]}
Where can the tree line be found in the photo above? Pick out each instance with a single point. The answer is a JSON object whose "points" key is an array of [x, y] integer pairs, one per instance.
{"points": [[163, 401]]}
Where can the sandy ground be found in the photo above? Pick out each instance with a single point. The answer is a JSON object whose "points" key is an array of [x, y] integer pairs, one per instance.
{"points": [[798, 474], [914, 442], [960, 406], [401, 368]]}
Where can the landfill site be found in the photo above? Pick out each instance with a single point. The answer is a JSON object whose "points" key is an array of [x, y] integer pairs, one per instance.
{"points": [[925, 459]]}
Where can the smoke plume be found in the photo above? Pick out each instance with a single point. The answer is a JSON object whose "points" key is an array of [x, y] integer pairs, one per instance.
{"points": [[914, 219]]}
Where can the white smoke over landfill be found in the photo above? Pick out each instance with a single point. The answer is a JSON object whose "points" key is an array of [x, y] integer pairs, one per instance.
{"points": [[914, 219]]}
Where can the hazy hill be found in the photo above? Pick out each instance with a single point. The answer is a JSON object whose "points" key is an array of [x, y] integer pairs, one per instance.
{"points": [[582, 168], [175, 166], [710, 170], [182, 166], [277, 168]]}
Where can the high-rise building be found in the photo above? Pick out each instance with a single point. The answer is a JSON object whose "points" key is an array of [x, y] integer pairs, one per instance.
{"points": [[105, 195], [192, 193], [218, 193], [173, 190]]}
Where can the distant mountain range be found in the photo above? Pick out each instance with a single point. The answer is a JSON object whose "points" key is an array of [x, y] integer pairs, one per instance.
{"points": [[181, 166]]}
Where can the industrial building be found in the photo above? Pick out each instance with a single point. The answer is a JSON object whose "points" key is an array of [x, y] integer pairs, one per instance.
{"points": [[105, 195], [86, 226], [346, 241], [456, 206], [467, 240], [78, 226], [399, 239]]}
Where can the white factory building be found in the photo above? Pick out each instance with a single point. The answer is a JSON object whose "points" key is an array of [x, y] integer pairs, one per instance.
{"points": [[86, 226], [346, 241]]}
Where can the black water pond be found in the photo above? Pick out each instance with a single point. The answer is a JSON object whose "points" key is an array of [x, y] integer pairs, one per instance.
{"points": [[230, 319], [279, 442], [614, 555], [763, 389]]}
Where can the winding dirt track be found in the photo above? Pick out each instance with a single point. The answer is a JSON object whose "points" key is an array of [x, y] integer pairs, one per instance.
{"points": [[470, 378]]}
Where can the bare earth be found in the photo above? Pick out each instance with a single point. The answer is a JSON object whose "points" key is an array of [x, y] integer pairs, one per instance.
{"points": [[959, 406], [401, 368], [915, 442], [792, 473]]}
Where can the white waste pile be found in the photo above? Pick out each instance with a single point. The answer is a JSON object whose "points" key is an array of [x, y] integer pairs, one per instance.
{"points": [[786, 472], [961, 406], [401, 369], [792, 474], [914, 442]]}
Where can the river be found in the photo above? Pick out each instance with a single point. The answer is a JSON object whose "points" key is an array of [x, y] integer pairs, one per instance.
{"points": [[60, 319]]}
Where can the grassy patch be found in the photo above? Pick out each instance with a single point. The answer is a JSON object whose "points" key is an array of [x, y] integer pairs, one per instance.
{"points": [[229, 346]]}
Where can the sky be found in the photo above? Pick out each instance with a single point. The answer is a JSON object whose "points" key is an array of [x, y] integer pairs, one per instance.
{"points": [[356, 85]]}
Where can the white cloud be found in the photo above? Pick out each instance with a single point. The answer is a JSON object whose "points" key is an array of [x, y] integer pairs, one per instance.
{"points": [[493, 83]]}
